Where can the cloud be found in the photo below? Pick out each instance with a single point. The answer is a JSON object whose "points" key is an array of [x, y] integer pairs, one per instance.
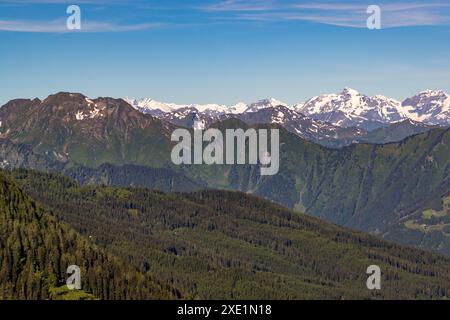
{"points": [[340, 13], [78, 2], [347, 13], [239, 6], [59, 26], [351, 6]]}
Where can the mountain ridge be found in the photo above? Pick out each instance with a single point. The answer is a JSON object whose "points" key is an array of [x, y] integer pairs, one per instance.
{"points": [[332, 120], [356, 108], [325, 128]]}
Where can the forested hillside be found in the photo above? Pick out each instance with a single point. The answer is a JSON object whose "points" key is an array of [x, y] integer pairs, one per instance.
{"points": [[217, 244], [35, 251], [135, 176]]}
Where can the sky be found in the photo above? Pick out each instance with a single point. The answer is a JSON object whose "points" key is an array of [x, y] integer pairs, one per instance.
{"points": [[222, 51]]}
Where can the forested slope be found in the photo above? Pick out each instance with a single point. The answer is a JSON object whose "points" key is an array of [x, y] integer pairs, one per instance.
{"points": [[218, 244], [35, 251]]}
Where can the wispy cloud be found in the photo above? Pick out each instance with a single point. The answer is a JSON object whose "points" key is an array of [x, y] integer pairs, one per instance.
{"points": [[348, 13], [342, 13], [78, 2], [352, 6], [59, 26], [239, 6]]}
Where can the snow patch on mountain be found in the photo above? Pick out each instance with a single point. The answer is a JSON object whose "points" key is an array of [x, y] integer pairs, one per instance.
{"points": [[79, 115]]}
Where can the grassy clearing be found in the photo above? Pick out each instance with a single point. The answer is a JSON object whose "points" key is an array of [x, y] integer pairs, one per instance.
{"points": [[428, 214], [63, 293]]}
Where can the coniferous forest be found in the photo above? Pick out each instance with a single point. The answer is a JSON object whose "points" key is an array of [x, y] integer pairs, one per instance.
{"points": [[35, 251], [138, 243]]}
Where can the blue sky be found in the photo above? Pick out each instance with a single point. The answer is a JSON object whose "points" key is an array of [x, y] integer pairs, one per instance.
{"points": [[222, 51]]}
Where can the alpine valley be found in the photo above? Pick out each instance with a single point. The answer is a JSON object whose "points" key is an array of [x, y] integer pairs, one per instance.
{"points": [[362, 181]]}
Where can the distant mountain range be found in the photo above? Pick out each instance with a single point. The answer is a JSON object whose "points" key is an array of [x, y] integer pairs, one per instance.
{"points": [[370, 185], [350, 108], [333, 120]]}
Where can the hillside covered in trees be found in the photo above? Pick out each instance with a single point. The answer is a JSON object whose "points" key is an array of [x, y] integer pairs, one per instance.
{"points": [[35, 251], [230, 245]]}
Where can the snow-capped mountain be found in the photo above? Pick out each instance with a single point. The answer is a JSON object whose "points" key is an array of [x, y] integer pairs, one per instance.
{"points": [[207, 114], [431, 107], [153, 107], [264, 111], [345, 116], [186, 114], [264, 104], [303, 126], [268, 110], [151, 104], [352, 109]]}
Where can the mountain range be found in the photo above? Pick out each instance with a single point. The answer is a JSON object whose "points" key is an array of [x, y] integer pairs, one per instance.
{"points": [[333, 120], [370, 187], [348, 108]]}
